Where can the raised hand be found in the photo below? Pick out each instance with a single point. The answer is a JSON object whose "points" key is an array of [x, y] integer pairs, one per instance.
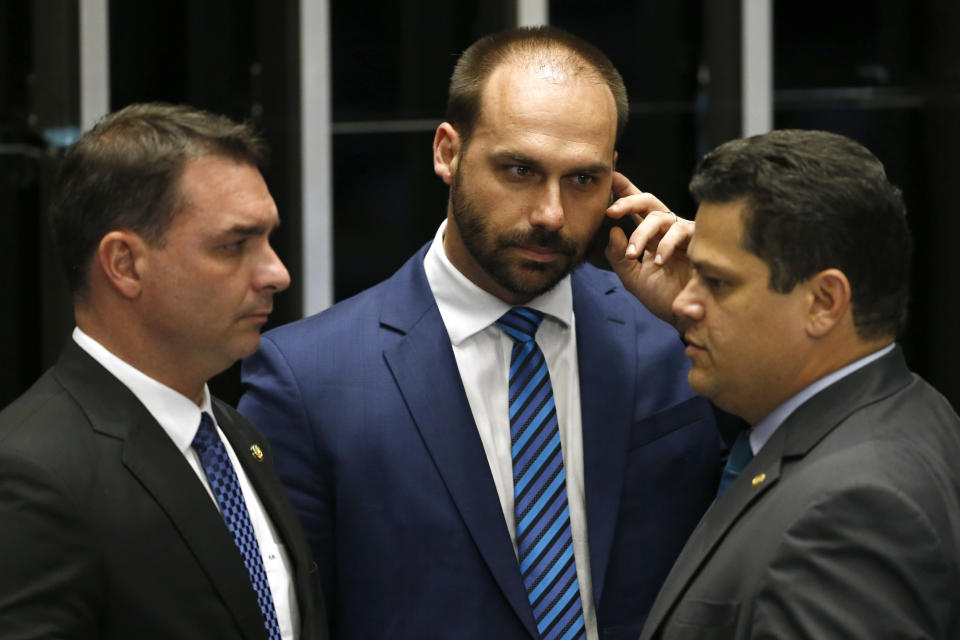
{"points": [[653, 263]]}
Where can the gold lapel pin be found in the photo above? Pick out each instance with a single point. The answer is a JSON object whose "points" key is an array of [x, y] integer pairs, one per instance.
{"points": [[256, 452], [758, 479]]}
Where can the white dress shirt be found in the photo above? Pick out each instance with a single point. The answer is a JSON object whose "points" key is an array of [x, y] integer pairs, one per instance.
{"points": [[482, 351], [180, 418], [766, 427]]}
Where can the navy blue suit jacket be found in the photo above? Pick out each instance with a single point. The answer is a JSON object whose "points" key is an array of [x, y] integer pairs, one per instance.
{"points": [[374, 438]]}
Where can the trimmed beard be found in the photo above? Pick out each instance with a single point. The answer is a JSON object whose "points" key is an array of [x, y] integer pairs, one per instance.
{"points": [[525, 278]]}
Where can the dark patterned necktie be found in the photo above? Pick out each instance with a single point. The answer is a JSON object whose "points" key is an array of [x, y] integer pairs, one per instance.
{"points": [[226, 489], [740, 456], [544, 540]]}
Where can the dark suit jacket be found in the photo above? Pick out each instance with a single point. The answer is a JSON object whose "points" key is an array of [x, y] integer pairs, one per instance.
{"points": [[375, 440], [845, 525], [105, 530]]}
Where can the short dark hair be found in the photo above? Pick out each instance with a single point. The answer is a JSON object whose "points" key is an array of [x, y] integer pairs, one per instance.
{"points": [[816, 200], [123, 174], [525, 45]]}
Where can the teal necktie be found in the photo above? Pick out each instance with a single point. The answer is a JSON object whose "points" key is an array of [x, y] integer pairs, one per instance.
{"points": [[740, 456]]}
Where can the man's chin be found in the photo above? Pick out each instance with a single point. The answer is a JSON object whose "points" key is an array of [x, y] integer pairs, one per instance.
{"points": [[712, 388], [699, 382], [534, 279], [247, 345]]}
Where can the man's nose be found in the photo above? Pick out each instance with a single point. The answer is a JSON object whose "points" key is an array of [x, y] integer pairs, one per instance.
{"points": [[548, 211], [272, 274], [687, 305]]}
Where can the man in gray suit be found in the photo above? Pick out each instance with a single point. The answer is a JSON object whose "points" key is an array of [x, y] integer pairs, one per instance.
{"points": [[844, 521]]}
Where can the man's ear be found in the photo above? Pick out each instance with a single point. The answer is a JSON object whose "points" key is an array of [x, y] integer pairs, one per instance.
{"points": [[119, 256], [829, 295], [446, 152]]}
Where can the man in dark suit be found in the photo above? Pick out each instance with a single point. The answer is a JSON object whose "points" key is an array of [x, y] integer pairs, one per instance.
{"points": [[844, 521], [132, 504], [432, 510]]}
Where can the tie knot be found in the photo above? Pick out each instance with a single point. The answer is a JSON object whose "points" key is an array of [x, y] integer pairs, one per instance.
{"points": [[520, 323], [740, 453], [206, 434]]}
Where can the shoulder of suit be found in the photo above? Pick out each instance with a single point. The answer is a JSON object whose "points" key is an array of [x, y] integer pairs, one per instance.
{"points": [[342, 320], [45, 406], [607, 286], [897, 443], [46, 434], [31, 401], [227, 413], [596, 278]]}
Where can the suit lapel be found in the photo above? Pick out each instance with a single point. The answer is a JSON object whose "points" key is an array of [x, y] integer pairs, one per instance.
{"points": [[163, 471], [814, 419], [262, 476], [260, 473], [425, 371], [606, 415], [795, 438], [150, 455], [714, 525]]}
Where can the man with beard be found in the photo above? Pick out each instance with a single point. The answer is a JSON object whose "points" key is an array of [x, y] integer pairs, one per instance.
{"points": [[497, 441]]}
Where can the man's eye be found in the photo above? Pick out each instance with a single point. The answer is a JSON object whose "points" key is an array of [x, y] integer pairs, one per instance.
{"points": [[584, 179], [519, 170], [235, 246], [714, 283]]}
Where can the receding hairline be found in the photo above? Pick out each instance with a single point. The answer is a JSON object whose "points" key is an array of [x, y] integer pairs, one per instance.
{"points": [[538, 51], [549, 67], [533, 49], [179, 194], [550, 61]]}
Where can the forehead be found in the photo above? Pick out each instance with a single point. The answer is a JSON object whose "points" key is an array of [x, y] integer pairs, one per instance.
{"points": [[220, 191], [718, 233], [547, 102]]}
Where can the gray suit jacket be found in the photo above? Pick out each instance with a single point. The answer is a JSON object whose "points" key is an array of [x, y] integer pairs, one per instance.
{"points": [[106, 532], [845, 525]]}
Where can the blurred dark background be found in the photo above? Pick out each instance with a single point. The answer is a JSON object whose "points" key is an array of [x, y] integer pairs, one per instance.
{"points": [[885, 72]]}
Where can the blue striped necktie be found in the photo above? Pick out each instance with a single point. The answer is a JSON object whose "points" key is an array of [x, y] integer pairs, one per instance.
{"points": [[226, 489], [544, 540]]}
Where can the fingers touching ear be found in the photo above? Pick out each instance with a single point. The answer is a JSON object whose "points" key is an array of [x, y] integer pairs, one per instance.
{"points": [[446, 149], [829, 301], [119, 259]]}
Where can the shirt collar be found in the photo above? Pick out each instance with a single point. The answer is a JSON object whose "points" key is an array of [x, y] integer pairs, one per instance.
{"points": [[766, 427], [178, 415], [467, 309]]}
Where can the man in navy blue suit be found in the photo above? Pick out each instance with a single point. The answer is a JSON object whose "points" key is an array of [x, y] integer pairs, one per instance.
{"points": [[389, 412]]}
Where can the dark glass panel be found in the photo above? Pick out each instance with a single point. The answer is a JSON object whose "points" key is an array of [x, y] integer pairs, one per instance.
{"points": [[825, 43], [654, 45], [198, 53], [387, 202], [392, 60]]}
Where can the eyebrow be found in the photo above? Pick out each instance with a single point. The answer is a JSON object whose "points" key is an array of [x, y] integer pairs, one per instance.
{"points": [[706, 265], [519, 158], [252, 229]]}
